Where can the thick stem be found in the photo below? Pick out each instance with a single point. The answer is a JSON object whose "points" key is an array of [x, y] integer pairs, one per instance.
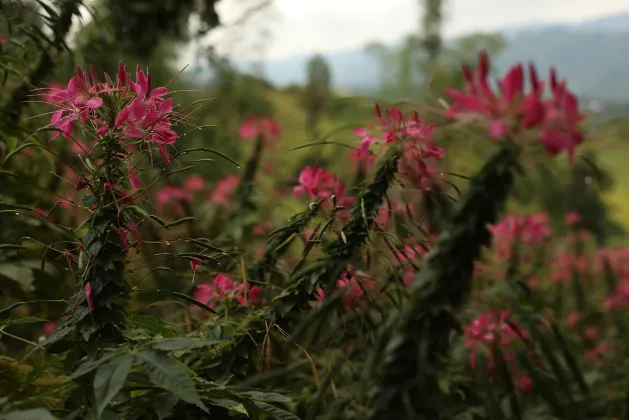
{"points": [[339, 253], [439, 291]]}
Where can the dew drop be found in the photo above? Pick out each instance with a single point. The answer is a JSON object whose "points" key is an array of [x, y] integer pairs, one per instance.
{"points": [[167, 243], [17, 214]]}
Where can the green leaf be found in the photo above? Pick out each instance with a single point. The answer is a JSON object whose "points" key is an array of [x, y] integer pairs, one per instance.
{"points": [[181, 344], [266, 396], [25, 320], [18, 304], [275, 412], [203, 149], [109, 379], [20, 274], [182, 296], [170, 375], [164, 404], [229, 405], [179, 222], [34, 414], [152, 325], [89, 366]]}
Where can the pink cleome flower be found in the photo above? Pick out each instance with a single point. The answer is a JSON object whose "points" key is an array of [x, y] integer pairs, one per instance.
{"points": [[513, 110], [224, 190], [488, 329], [316, 183], [145, 114], [253, 127]]}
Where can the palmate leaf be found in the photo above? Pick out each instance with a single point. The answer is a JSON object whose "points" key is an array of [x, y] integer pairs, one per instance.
{"points": [[109, 379], [169, 374], [152, 325]]}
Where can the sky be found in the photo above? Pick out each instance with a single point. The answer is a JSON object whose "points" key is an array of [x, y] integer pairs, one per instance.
{"points": [[292, 27]]}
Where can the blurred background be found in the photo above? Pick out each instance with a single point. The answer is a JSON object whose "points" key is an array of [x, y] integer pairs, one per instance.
{"points": [[316, 66]]}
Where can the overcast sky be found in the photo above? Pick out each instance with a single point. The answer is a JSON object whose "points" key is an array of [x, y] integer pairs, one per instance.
{"points": [[311, 26]]}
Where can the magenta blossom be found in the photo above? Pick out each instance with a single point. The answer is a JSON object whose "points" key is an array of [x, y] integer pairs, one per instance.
{"points": [[224, 190]]}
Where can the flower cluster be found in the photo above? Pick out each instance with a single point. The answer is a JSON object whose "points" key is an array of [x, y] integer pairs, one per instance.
{"points": [[253, 127], [355, 289], [415, 136], [143, 113], [531, 229], [513, 109], [316, 183], [493, 332], [223, 288]]}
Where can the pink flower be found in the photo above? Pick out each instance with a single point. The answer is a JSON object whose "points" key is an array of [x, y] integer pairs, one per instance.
{"points": [[487, 329], [410, 252], [88, 296], [224, 284], [251, 297], [224, 190], [383, 216], [194, 183], [195, 263], [134, 179], [573, 318], [253, 127], [48, 328], [205, 293], [43, 213], [523, 383], [171, 197], [533, 229], [317, 184], [352, 288], [513, 109], [597, 354], [572, 218], [320, 294], [409, 277]]}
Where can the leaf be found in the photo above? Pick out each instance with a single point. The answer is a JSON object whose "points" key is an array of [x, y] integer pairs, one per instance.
{"points": [[34, 414], [204, 149], [152, 325], [182, 296], [25, 320], [89, 366], [275, 412], [229, 405], [164, 405], [179, 222], [266, 396], [18, 304], [20, 274], [170, 375], [109, 380], [181, 344], [36, 373]]}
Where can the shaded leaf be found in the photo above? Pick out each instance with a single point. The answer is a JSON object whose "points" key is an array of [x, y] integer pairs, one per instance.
{"points": [[109, 379], [181, 344], [170, 375]]}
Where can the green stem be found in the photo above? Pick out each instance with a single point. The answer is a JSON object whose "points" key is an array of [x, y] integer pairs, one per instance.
{"points": [[419, 346], [15, 337]]}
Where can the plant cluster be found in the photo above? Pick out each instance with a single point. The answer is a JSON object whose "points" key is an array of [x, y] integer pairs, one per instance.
{"points": [[398, 294]]}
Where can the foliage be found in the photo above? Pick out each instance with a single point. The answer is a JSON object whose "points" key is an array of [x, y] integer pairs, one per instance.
{"points": [[153, 275]]}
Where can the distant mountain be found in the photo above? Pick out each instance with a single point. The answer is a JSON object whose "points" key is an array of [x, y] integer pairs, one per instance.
{"points": [[593, 55]]}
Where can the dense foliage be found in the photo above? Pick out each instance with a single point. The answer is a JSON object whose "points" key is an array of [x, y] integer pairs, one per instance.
{"points": [[149, 275]]}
